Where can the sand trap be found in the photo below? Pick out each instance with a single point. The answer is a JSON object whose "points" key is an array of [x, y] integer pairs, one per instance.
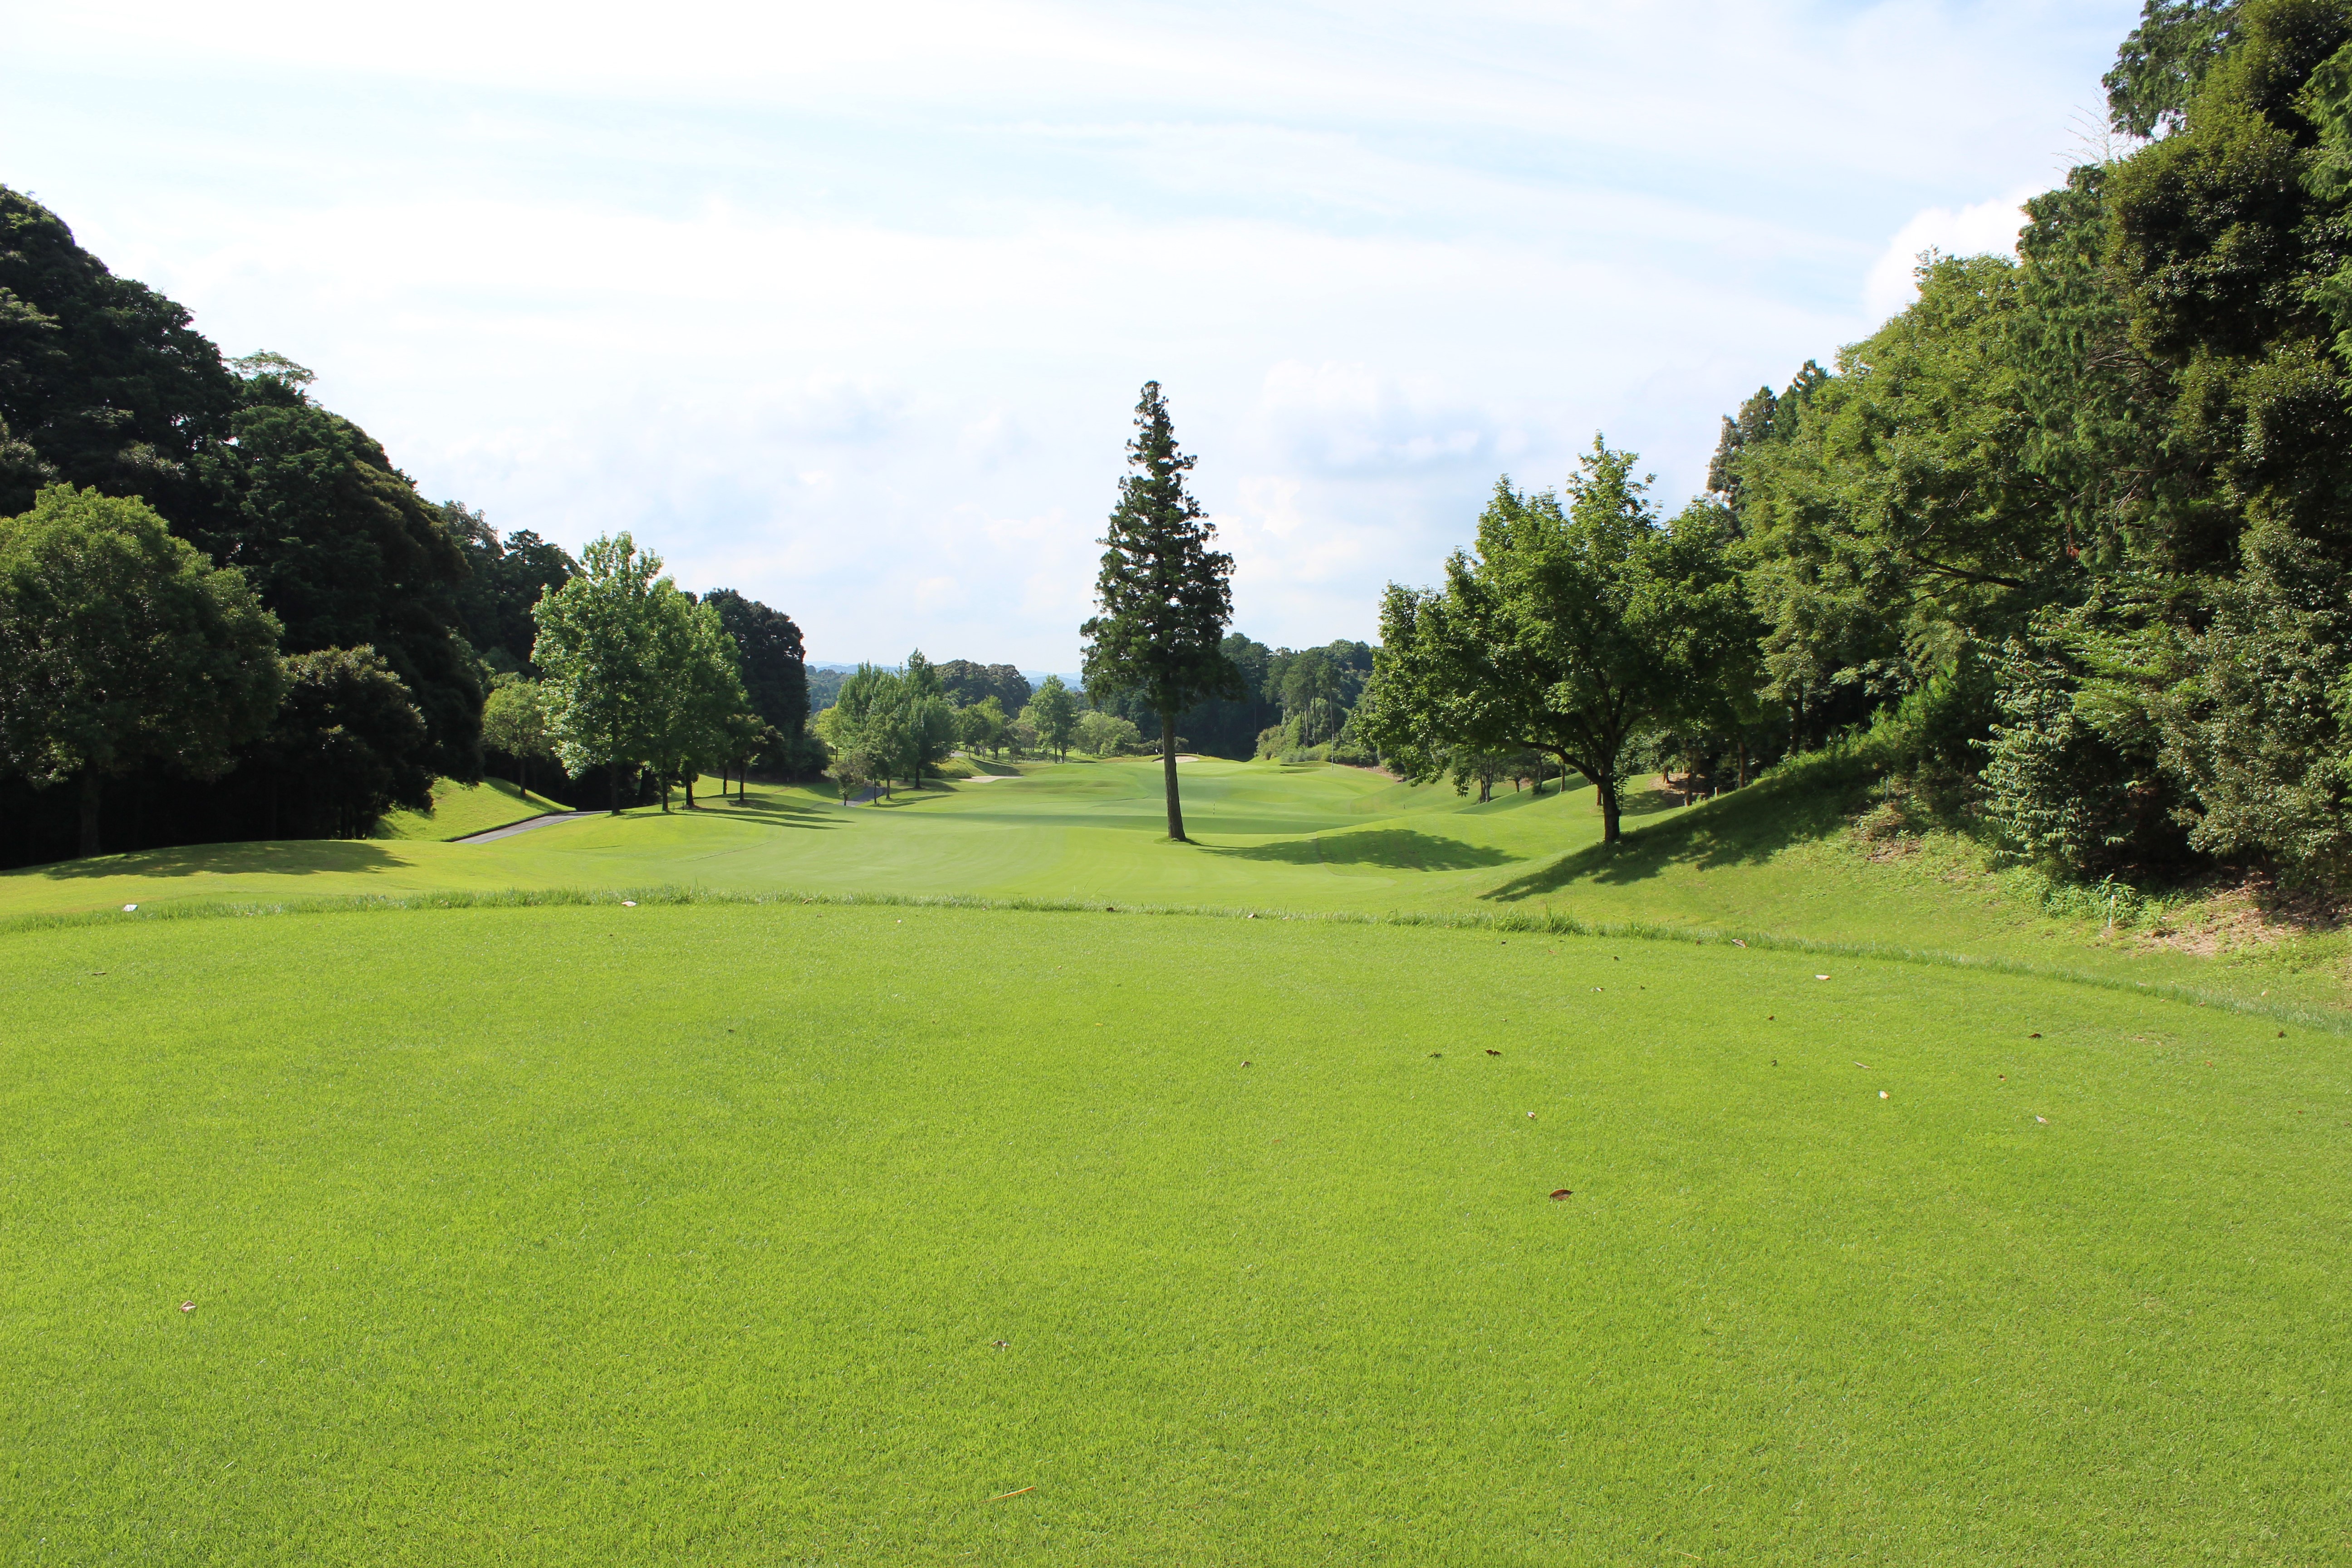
{"points": [[990, 778]]}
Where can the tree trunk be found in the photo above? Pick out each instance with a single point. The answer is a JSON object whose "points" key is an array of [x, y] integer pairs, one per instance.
{"points": [[690, 789], [1168, 767], [1604, 789], [93, 786], [1743, 762]]}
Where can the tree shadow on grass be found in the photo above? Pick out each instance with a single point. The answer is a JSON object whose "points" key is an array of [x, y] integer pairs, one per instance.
{"points": [[277, 857], [1802, 802], [1393, 849], [774, 813]]}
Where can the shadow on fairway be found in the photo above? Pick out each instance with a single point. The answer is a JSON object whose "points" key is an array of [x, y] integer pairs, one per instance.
{"points": [[774, 813], [1742, 828], [1394, 849], [282, 858]]}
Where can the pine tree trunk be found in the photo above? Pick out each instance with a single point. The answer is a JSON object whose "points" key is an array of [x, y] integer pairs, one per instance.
{"points": [[92, 788], [1168, 767]]}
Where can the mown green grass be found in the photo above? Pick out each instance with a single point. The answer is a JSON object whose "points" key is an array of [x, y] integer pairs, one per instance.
{"points": [[461, 809], [1772, 860], [686, 1234]]}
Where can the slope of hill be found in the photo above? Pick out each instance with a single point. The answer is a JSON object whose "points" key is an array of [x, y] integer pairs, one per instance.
{"points": [[1779, 860], [462, 809]]}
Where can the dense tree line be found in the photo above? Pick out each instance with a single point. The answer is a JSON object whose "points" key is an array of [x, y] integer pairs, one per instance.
{"points": [[2073, 531], [2085, 518], [1294, 703], [336, 640]]}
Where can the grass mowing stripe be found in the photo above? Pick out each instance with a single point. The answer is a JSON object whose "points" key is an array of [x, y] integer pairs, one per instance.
{"points": [[1545, 922]]}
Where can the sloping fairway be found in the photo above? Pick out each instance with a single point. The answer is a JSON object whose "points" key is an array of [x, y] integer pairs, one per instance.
{"points": [[791, 1234], [1270, 837]]}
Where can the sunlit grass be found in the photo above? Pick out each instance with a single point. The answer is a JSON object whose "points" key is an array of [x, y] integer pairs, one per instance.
{"points": [[689, 1234], [460, 809]]}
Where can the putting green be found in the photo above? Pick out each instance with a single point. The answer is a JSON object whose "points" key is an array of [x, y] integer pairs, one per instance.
{"points": [[728, 1234]]}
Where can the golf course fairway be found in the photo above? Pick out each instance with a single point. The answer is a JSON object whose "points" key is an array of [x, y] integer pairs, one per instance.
{"points": [[1271, 838], [858, 1232]]}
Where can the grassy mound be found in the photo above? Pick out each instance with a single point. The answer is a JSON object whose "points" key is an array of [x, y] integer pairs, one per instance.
{"points": [[726, 1234], [460, 810]]}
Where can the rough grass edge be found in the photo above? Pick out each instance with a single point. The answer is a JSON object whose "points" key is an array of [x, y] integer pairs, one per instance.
{"points": [[1545, 922]]}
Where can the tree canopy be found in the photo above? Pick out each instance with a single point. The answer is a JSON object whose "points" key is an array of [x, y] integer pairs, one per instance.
{"points": [[601, 639], [122, 646], [1566, 631]]}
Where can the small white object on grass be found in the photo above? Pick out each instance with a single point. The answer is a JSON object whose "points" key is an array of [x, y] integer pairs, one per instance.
{"points": [[128, 907], [628, 903], [1820, 977], [1882, 1094]]}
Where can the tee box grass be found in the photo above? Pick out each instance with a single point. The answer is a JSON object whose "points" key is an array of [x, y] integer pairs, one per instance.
{"points": [[789, 1232]]}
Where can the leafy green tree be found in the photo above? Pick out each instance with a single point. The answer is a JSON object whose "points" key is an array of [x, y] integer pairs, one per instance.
{"points": [[922, 677], [1482, 768], [969, 684], [122, 646], [504, 578], [2255, 727], [1106, 734], [859, 767], [2164, 59], [980, 727], [104, 384], [775, 669], [1054, 713], [748, 738], [346, 740], [514, 723], [344, 552], [886, 746], [931, 729], [600, 645], [695, 690], [1165, 595], [1567, 632], [927, 719], [868, 724]]}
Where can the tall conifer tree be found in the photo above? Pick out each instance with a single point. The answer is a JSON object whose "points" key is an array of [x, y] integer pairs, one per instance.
{"points": [[1165, 595]]}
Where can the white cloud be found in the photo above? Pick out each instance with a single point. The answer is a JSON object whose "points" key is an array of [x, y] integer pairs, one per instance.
{"points": [[1987, 228], [848, 307]]}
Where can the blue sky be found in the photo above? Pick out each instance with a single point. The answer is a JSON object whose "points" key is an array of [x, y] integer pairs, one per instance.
{"points": [[848, 307]]}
